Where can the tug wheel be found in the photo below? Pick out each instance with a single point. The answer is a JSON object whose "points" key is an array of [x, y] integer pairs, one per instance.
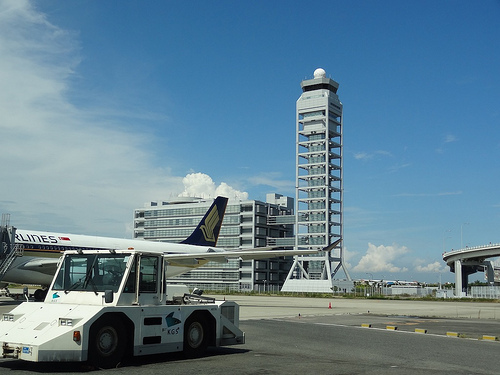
{"points": [[40, 294], [108, 341], [195, 336]]}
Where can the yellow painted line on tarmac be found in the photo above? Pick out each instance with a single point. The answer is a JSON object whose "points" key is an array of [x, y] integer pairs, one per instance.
{"points": [[395, 328], [492, 338]]}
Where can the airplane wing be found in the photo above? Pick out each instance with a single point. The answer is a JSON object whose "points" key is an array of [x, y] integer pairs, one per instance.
{"points": [[256, 253], [222, 257], [47, 266]]}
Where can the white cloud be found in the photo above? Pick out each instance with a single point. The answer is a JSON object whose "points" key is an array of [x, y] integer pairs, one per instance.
{"points": [[441, 194], [398, 167], [348, 256], [362, 156], [381, 259], [64, 168], [202, 185], [450, 138], [436, 267], [275, 180], [369, 156]]}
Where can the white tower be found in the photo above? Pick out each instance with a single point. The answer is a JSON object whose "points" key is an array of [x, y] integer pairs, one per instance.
{"points": [[319, 188]]}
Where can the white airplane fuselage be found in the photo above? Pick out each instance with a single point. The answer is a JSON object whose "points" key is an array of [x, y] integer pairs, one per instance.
{"points": [[43, 249]]}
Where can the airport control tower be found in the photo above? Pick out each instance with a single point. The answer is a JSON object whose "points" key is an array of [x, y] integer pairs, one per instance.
{"points": [[319, 187]]}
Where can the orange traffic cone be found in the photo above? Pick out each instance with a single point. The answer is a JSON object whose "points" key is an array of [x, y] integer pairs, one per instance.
{"points": [[330, 305]]}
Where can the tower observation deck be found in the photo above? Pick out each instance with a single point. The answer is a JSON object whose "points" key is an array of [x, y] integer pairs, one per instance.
{"points": [[319, 185]]}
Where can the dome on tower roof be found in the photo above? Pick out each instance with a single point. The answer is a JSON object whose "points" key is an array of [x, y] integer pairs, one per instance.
{"points": [[319, 73]]}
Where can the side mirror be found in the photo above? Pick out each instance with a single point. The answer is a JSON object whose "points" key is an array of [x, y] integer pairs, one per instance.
{"points": [[108, 296]]}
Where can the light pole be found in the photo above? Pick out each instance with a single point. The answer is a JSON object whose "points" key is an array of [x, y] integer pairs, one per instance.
{"points": [[371, 286], [461, 234]]}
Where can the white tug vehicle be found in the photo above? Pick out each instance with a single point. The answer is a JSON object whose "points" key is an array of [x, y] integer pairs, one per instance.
{"points": [[104, 305]]}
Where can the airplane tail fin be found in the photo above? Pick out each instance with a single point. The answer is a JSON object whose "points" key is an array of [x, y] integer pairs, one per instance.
{"points": [[207, 231]]}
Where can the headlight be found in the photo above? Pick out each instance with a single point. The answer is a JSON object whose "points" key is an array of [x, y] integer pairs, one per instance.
{"points": [[65, 322], [8, 317]]}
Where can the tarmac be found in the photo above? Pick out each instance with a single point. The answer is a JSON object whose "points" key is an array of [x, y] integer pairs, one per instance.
{"points": [[266, 307], [269, 307], [459, 317], [328, 335]]}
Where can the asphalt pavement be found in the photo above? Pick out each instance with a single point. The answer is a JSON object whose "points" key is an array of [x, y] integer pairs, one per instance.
{"points": [[290, 335]]}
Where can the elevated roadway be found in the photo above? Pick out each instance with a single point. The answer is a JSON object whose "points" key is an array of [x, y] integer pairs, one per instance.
{"points": [[464, 262]]}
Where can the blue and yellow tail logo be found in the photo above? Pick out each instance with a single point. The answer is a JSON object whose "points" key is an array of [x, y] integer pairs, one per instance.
{"points": [[207, 231], [210, 223]]}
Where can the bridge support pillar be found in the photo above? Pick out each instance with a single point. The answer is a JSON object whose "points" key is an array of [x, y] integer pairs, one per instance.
{"points": [[458, 278], [490, 272], [464, 268]]}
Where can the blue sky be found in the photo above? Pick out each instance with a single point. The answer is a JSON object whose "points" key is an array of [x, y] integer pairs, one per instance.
{"points": [[107, 105]]}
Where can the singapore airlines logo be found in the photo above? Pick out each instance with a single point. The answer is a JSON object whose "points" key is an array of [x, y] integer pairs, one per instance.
{"points": [[210, 223]]}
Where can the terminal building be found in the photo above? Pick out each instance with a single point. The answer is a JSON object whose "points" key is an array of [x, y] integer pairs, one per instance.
{"points": [[247, 224]]}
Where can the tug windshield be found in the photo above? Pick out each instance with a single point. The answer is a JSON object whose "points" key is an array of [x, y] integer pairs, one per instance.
{"points": [[91, 272]]}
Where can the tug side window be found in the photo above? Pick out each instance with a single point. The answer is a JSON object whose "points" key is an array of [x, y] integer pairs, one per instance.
{"points": [[148, 280], [149, 274]]}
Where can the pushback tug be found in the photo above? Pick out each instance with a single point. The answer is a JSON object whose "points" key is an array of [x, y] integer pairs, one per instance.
{"points": [[106, 304]]}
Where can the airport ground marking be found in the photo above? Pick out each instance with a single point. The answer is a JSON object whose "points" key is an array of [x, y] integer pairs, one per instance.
{"points": [[490, 338], [448, 334]]}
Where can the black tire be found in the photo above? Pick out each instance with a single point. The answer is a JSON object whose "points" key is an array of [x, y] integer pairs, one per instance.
{"points": [[107, 342], [40, 294], [195, 336]]}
